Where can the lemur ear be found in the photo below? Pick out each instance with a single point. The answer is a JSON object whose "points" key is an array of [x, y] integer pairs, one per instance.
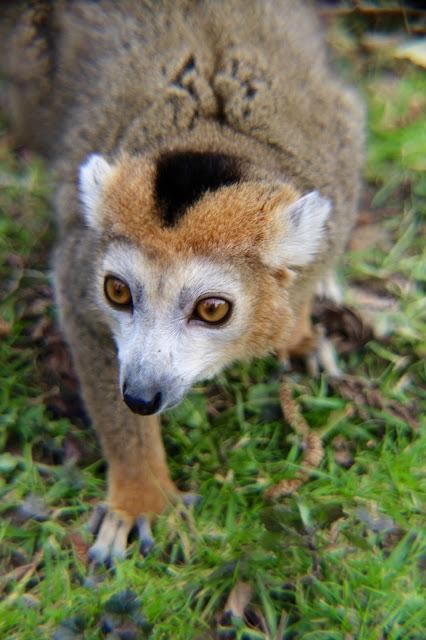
{"points": [[297, 231], [91, 177]]}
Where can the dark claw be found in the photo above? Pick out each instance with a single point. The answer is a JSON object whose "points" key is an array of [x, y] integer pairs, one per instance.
{"points": [[95, 520], [226, 619], [146, 547], [113, 536], [98, 559], [146, 541], [191, 499], [95, 556]]}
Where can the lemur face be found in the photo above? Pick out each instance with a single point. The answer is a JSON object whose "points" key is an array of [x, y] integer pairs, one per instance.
{"points": [[178, 322], [195, 275]]}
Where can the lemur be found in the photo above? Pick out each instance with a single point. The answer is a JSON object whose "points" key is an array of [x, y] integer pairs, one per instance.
{"points": [[207, 164]]}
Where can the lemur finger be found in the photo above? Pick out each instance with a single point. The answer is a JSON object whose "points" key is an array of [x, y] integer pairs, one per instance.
{"points": [[327, 357], [324, 357], [119, 544], [100, 551], [111, 540], [313, 365], [146, 541], [330, 289], [94, 523]]}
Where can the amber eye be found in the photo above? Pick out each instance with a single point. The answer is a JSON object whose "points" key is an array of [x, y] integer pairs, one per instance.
{"points": [[212, 310], [117, 292]]}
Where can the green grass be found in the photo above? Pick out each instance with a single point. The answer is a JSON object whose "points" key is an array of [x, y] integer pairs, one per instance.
{"points": [[342, 559]]}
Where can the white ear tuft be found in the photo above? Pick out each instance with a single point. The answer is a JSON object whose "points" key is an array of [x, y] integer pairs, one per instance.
{"points": [[298, 231], [92, 176]]}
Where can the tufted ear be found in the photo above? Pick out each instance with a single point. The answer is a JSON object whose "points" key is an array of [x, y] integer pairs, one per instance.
{"points": [[92, 176], [297, 231]]}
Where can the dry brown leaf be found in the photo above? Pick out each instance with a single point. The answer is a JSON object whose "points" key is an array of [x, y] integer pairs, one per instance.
{"points": [[364, 393], [368, 236], [374, 519], [40, 328], [22, 573], [238, 599], [38, 306], [381, 43], [343, 451], [79, 545], [414, 51], [5, 328]]}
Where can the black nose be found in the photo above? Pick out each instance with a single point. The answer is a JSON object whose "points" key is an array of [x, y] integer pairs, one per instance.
{"points": [[142, 406]]}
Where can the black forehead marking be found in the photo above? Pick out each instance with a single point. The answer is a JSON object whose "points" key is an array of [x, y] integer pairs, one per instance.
{"points": [[182, 177]]}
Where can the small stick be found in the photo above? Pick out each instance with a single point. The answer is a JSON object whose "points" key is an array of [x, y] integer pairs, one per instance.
{"points": [[313, 450]]}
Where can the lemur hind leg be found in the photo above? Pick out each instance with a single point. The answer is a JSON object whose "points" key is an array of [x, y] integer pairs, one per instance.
{"points": [[329, 288], [311, 344], [303, 339]]}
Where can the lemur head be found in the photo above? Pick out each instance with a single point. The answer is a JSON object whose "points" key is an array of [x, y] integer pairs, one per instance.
{"points": [[199, 257]]}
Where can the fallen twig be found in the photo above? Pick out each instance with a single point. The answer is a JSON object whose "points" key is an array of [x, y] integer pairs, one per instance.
{"points": [[313, 450], [21, 575]]}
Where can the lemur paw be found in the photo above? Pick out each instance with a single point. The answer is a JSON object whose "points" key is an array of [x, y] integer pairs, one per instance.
{"points": [[316, 351], [324, 357], [329, 289], [113, 528]]}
